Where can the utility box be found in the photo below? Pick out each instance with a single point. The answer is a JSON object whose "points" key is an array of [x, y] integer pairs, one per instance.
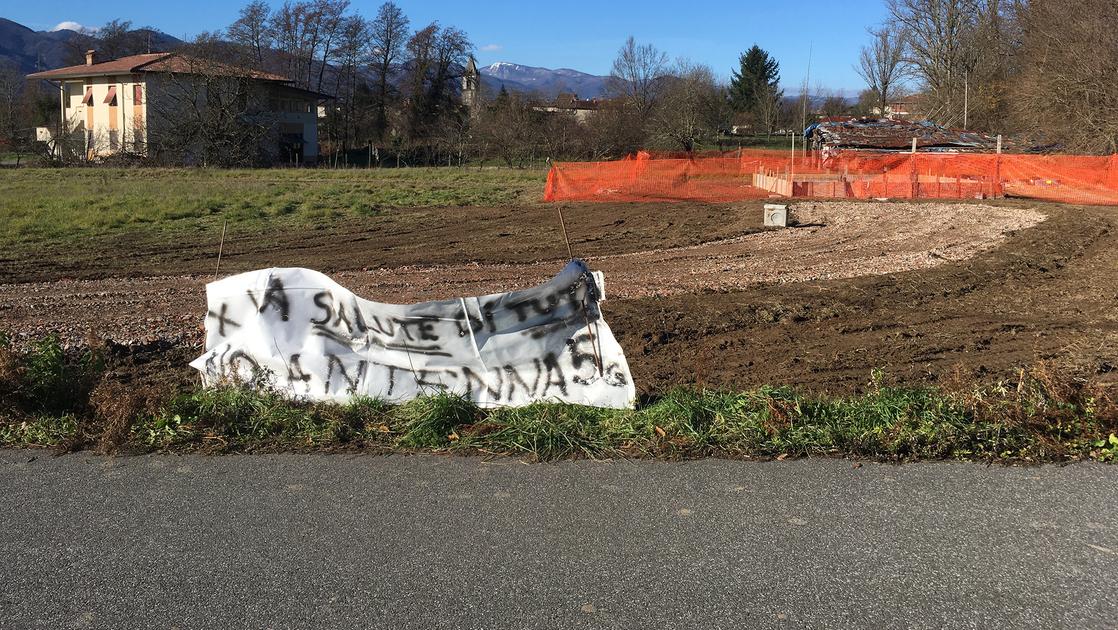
{"points": [[776, 215]]}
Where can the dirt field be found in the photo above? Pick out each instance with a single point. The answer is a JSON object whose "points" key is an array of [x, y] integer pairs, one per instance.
{"points": [[697, 293]]}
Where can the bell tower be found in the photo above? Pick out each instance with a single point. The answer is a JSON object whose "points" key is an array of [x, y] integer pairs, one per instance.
{"points": [[471, 87]]}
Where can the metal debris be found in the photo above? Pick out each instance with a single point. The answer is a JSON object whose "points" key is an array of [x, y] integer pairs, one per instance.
{"points": [[882, 134]]}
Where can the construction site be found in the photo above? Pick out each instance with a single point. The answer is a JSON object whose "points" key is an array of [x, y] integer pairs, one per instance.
{"points": [[927, 290], [322, 313], [849, 159]]}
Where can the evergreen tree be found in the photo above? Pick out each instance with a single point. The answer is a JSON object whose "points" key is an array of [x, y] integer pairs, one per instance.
{"points": [[757, 76]]}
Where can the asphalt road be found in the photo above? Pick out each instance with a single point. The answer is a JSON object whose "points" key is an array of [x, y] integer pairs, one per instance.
{"points": [[301, 541]]}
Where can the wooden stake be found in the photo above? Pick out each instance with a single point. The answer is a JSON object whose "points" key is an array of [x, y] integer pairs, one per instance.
{"points": [[220, 248], [585, 311], [563, 224]]}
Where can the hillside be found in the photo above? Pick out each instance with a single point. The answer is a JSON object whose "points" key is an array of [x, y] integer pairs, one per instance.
{"points": [[543, 81], [31, 50]]}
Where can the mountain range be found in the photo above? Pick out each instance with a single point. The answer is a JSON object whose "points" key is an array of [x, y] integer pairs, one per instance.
{"points": [[543, 81], [31, 51]]}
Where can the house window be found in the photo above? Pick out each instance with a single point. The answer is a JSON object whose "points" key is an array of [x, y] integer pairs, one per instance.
{"points": [[88, 98], [138, 94], [110, 98]]}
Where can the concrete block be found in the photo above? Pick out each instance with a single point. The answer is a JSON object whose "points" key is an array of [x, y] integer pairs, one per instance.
{"points": [[776, 215]]}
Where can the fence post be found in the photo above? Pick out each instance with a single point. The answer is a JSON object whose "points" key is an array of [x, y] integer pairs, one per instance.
{"points": [[998, 190], [915, 192], [792, 175], [1112, 172]]}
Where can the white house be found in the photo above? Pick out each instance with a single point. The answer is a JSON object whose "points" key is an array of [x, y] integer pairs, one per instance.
{"points": [[115, 106]]}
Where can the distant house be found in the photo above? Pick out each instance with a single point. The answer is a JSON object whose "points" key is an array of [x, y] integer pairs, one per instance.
{"points": [[904, 108], [741, 124], [581, 109], [129, 105]]}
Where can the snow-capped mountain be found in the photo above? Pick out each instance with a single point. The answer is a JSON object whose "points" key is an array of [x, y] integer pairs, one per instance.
{"points": [[30, 51], [543, 81]]}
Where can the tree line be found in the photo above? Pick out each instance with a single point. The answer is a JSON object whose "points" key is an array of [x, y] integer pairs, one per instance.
{"points": [[1040, 69], [1027, 67]]}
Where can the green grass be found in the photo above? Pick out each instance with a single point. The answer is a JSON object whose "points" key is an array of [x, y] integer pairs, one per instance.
{"points": [[53, 398], [894, 424], [65, 204]]}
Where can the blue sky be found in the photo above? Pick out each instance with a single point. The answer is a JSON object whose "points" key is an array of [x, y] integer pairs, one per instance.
{"points": [[580, 35]]}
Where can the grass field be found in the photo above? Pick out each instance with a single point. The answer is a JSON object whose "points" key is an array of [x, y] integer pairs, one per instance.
{"points": [[64, 204]]}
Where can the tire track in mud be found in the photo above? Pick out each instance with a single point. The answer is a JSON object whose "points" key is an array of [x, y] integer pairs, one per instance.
{"points": [[842, 240]]}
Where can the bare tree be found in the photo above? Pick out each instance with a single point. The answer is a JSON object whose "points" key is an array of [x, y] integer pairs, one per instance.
{"points": [[769, 108], [252, 30], [288, 27], [114, 40], [996, 43], [615, 130], [435, 53], [1066, 92], [563, 136], [693, 106], [509, 128], [834, 104], [14, 124], [452, 50], [938, 36], [351, 53], [210, 110], [881, 63], [118, 39], [421, 56], [636, 75], [387, 34], [331, 18], [304, 34], [961, 51]]}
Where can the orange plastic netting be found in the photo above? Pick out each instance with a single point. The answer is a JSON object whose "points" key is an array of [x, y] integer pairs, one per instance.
{"points": [[742, 175]]}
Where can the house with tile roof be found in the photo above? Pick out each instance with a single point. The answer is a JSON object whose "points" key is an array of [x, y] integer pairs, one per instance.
{"points": [[135, 104]]}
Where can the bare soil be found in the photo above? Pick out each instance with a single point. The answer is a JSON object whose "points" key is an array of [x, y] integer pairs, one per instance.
{"points": [[697, 294]]}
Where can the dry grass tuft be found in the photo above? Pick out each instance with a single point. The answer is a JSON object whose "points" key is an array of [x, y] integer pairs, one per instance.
{"points": [[117, 407]]}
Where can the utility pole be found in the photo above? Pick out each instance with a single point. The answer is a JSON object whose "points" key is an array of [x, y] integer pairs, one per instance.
{"points": [[807, 81], [966, 97]]}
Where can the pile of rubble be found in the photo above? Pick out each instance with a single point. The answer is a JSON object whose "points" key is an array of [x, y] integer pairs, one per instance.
{"points": [[883, 134]]}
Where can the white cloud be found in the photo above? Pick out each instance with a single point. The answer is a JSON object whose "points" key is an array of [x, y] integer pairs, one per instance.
{"points": [[491, 48], [68, 26]]}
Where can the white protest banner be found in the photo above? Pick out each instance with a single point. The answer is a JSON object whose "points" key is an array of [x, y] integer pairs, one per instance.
{"points": [[298, 331]]}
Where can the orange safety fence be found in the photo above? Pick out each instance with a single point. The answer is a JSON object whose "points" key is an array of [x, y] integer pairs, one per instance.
{"points": [[760, 174]]}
